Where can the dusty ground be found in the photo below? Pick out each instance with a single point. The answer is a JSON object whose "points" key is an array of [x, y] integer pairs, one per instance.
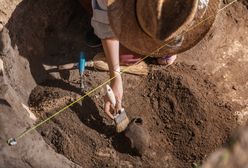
{"points": [[184, 125], [190, 109]]}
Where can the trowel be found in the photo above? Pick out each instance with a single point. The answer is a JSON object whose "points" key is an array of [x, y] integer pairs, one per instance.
{"points": [[81, 64]]}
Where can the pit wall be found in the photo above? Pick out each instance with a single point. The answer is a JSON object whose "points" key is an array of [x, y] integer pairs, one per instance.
{"points": [[16, 83], [7, 8]]}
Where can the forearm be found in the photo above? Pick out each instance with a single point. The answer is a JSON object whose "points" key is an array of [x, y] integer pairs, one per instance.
{"points": [[111, 49]]}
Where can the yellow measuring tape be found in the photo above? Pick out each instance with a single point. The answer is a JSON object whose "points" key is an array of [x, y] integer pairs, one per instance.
{"points": [[13, 141]]}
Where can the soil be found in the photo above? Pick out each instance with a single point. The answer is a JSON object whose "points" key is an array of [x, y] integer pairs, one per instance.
{"points": [[182, 106]]}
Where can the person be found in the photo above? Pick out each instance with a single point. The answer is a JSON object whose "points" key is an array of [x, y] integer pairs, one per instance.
{"points": [[160, 28], [90, 38], [114, 56], [125, 59], [110, 44]]}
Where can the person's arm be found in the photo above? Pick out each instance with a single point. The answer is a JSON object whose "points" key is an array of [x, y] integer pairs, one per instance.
{"points": [[111, 49]]}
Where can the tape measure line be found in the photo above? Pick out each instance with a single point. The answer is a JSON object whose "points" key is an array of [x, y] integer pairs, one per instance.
{"points": [[110, 79]]}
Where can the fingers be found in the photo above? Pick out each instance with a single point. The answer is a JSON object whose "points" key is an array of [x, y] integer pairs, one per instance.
{"points": [[111, 108], [107, 109], [118, 105]]}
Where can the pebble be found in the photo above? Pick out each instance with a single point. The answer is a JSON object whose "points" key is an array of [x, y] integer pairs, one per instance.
{"points": [[1, 66], [106, 152], [126, 164], [71, 99], [1, 26], [193, 67], [94, 144], [234, 88], [150, 94], [169, 126], [200, 122]]}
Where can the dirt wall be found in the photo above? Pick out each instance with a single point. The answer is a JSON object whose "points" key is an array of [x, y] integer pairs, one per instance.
{"points": [[16, 83]]}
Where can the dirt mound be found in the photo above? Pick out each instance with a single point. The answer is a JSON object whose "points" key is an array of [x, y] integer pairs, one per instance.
{"points": [[194, 120], [181, 109]]}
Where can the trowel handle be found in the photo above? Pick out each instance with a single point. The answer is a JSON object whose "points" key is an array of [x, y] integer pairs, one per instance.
{"points": [[68, 66], [111, 95], [82, 63]]}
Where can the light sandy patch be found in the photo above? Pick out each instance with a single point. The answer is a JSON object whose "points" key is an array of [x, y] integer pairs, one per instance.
{"points": [[242, 116], [31, 115]]}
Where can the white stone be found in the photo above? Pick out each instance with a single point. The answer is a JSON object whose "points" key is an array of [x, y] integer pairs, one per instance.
{"points": [[31, 115], [1, 66], [1, 27]]}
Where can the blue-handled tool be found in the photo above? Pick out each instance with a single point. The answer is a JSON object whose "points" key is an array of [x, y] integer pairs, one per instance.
{"points": [[81, 66]]}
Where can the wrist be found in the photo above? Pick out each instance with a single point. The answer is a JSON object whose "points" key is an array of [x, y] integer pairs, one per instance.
{"points": [[115, 72], [116, 79]]}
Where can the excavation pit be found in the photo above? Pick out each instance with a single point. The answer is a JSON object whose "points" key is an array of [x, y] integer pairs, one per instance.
{"points": [[182, 106], [183, 114]]}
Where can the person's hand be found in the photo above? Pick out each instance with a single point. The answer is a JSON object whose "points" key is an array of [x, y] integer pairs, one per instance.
{"points": [[117, 87]]}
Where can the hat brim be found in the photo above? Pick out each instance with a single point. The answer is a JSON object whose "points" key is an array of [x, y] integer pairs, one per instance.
{"points": [[124, 23]]}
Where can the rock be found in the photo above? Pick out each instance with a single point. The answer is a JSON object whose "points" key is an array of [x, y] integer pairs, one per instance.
{"points": [[5, 42], [3, 84], [1, 26], [106, 153], [235, 155], [126, 164], [1, 67]]}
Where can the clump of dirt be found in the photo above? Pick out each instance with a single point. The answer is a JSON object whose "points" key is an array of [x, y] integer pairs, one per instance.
{"points": [[245, 2], [180, 107]]}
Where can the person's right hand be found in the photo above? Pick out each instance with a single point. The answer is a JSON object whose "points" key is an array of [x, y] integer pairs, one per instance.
{"points": [[117, 87]]}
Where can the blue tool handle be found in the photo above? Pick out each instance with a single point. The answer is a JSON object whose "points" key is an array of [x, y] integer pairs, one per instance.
{"points": [[82, 61]]}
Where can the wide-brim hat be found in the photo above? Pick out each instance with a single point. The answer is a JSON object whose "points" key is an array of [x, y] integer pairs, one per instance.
{"points": [[143, 26]]}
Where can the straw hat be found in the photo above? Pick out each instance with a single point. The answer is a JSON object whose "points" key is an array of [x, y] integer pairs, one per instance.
{"points": [[145, 25]]}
